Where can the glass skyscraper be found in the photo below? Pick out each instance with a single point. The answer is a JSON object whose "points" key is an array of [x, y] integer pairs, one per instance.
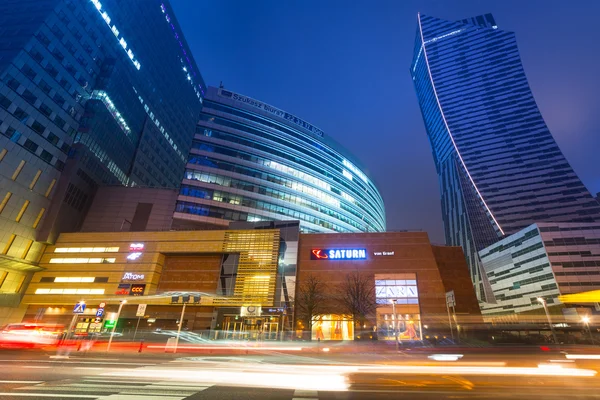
{"points": [[92, 92], [251, 161], [500, 169]]}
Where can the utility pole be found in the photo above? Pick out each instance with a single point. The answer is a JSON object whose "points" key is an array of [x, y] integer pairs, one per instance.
{"points": [[112, 333]]}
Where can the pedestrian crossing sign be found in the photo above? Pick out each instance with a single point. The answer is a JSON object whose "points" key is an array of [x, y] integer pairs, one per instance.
{"points": [[79, 308]]}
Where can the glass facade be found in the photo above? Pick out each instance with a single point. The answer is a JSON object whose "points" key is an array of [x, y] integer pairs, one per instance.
{"points": [[253, 162], [499, 167], [542, 260], [91, 93]]}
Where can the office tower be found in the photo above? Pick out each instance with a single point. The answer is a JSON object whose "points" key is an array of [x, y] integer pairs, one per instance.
{"points": [[91, 93], [499, 167], [254, 162]]}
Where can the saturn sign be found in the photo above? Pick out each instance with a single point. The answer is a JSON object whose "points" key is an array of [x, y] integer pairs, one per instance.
{"points": [[338, 254]]}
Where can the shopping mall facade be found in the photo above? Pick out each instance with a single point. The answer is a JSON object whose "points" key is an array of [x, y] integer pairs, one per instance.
{"points": [[240, 281], [251, 161]]}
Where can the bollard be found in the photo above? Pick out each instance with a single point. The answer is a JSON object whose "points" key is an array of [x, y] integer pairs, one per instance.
{"points": [[141, 346]]}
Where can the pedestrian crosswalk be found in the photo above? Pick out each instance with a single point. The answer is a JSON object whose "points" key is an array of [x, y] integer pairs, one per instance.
{"points": [[100, 388]]}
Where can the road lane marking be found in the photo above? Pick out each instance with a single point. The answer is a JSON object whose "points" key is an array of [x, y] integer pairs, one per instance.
{"points": [[79, 362], [136, 397], [76, 396]]}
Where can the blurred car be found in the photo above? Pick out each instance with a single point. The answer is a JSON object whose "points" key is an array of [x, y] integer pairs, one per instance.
{"points": [[29, 335]]}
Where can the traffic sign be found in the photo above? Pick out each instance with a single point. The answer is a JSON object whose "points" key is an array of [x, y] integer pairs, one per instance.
{"points": [[141, 310], [100, 312], [79, 308], [450, 299]]}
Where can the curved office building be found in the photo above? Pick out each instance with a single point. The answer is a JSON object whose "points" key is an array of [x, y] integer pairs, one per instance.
{"points": [[253, 162]]}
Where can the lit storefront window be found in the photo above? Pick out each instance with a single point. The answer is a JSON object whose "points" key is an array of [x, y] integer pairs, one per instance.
{"points": [[72, 279], [82, 260], [69, 291], [398, 311], [86, 250], [332, 327]]}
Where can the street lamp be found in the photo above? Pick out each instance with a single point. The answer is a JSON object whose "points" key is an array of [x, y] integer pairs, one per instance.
{"points": [[548, 317], [395, 322], [115, 325], [586, 321]]}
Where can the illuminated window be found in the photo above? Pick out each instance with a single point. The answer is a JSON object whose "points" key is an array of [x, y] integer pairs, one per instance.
{"points": [[86, 250], [82, 260], [5, 201], [403, 291], [22, 211], [18, 170], [73, 279], [69, 291], [39, 217], [35, 179], [9, 243], [49, 190]]}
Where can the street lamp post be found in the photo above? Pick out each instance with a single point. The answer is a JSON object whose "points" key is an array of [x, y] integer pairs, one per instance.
{"points": [[115, 325], [586, 321], [548, 317], [180, 324], [395, 323]]}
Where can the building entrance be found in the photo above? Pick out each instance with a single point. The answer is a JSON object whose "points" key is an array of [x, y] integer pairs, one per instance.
{"points": [[255, 328]]}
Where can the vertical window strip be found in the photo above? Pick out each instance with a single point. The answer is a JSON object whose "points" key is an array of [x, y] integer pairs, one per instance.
{"points": [[23, 208], [18, 170], [39, 217], [9, 243], [5, 201], [50, 188], [27, 248], [20, 284], [35, 179], [2, 154]]}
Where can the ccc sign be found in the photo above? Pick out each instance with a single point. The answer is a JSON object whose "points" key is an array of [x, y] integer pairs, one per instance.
{"points": [[137, 289]]}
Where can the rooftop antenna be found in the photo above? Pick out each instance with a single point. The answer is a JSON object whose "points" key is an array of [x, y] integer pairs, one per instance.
{"points": [[221, 85]]}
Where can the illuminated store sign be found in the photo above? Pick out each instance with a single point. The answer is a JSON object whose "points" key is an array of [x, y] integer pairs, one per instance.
{"points": [[338, 254], [137, 289], [130, 276], [383, 253], [272, 110], [134, 256], [137, 249], [123, 289]]}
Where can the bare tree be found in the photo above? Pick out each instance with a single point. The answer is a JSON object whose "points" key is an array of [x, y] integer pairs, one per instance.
{"points": [[310, 301], [357, 297]]}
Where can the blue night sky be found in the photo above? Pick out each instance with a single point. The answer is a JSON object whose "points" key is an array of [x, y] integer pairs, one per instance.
{"points": [[343, 66]]}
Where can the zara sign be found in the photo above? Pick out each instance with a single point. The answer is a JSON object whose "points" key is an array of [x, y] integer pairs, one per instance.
{"points": [[338, 254]]}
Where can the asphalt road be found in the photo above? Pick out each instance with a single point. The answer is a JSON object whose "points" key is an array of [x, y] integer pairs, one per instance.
{"points": [[493, 375]]}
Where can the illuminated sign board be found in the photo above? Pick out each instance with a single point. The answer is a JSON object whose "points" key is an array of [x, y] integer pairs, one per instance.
{"points": [[130, 276], [384, 253], [272, 110], [123, 289], [338, 254], [134, 256], [136, 247], [137, 289]]}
